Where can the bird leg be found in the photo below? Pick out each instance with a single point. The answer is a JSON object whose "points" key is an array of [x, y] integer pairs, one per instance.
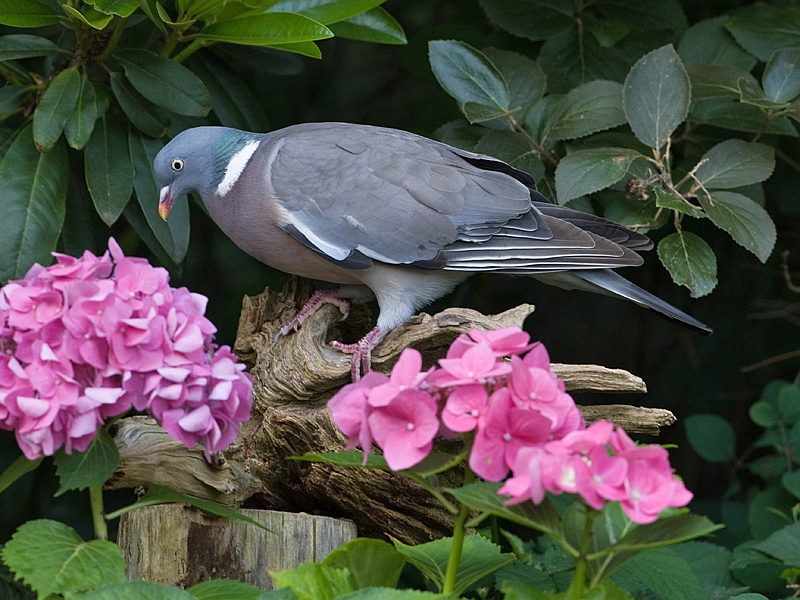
{"points": [[326, 296], [361, 351]]}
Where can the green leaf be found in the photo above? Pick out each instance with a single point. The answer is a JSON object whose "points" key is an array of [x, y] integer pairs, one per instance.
{"points": [[315, 581], [783, 545], [690, 261], [514, 148], [712, 437], [734, 163], [137, 590], [107, 165], [586, 171], [93, 467], [173, 235], [483, 497], [122, 8], [467, 74], [371, 563], [663, 573], [165, 82], [57, 104], [309, 49], [27, 13], [709, 43], [145, 116], [656, 96], [225, 589], [791, 483], [535, 20], [479, 558], [375, 25], [91, 17], [346, 458], [781, 77], [12, 99], [17, 469], [53, 559], [524, 77], [725, 112], [80, 124], [717, 81], [665, 199], [747, 222], [326, 11], [16, 46], [789, 403], [761, 29], [764, 414], [586, 109], [34, 200], [387, 594], [751, 93], [265, 30]]}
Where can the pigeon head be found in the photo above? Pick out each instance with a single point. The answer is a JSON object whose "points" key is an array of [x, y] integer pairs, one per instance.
{"points": [[201, 160]]}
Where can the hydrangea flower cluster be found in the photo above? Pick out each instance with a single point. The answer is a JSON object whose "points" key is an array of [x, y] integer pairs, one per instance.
{"points": [[87, 338], [518, 418]]}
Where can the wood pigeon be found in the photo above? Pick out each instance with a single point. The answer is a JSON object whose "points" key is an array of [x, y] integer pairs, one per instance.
{"points": [[392, 215]]}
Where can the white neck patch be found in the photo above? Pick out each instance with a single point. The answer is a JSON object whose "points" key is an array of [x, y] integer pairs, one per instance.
{"points": [[235, 167]]}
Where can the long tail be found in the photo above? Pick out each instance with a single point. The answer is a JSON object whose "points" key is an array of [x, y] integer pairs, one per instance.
{"points": [[609, 283]]}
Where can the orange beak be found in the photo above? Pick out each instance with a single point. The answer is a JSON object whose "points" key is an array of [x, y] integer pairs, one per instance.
{"points": [[165, 201]]}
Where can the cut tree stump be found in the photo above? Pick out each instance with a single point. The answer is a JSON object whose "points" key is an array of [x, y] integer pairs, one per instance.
{"points": [[293, 377], [178, 545]]}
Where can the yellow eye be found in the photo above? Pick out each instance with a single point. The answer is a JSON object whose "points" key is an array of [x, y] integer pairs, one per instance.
{"points": [[177, 164]]}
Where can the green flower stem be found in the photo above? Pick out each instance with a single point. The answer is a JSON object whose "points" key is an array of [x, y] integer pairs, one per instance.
{"points": [[98, 514], [576, 588], [458, 541]]}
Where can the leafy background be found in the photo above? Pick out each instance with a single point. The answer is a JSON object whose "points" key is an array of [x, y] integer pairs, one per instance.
{"points": [[562, 85]]}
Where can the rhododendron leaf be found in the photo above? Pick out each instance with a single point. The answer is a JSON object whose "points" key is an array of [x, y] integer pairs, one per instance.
{"points": [[372, 563], [17, 469], [81, 470], [346, 458], [479, 558], [483, 497], [157, 494], [109, 174], [53, 559]]}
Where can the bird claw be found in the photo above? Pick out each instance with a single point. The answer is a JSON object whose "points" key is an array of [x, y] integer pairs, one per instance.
{"points": [[361, 352], [327, 296]]}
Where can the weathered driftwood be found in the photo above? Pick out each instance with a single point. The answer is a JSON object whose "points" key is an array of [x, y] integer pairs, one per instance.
{"points": [[293, 379], [181, 546]]}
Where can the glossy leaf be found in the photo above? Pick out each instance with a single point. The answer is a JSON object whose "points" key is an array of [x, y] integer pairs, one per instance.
{"points": [[586, 171], [375, 25], [143, 114], [309, 49], [717, 81], [734, 163], [525, 80], [16, 46], [52, 558], [479, 558], [12, 99], [107, 166], [57, 104], [326, 11], [82, 470], [17, 469], [91, 17], [761, 29], [587, 109], [122, 8], [665, 199], [34, 195], [165, 82], [690, 261], [712, 437], [747, 222], [781, 77], [656, 96], [80, 124], [535, 20], [27, 13], [173, 236], [467, 74], [371, 563], [709, 43], [265, 30]]}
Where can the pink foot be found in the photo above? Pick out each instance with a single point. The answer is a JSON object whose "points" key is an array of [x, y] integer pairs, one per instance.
{"points": [[326, 296], [361, 352]]}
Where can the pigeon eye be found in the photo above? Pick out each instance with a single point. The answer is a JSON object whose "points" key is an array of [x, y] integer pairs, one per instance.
{"points": [[177, 164]]}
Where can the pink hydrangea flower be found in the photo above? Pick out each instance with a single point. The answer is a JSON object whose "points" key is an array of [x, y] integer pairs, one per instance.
{"points": [[405, 428], [87, 338]]}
